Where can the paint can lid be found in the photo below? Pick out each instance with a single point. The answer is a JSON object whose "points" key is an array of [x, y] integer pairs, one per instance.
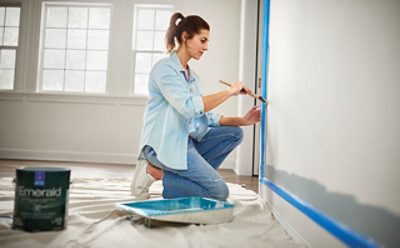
{"points": [[47, 169]]}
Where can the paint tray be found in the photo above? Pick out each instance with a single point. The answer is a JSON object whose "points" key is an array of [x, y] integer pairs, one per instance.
{"points": [[197, 210]]}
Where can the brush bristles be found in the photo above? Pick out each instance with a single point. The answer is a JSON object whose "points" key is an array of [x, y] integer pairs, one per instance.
{"points": [[262, 99]]}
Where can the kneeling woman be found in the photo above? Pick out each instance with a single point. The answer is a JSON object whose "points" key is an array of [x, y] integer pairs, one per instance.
{"points": [[182, 142]]}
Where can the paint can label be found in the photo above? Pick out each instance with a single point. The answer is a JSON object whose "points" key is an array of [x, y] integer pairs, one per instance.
{"points": [[41, 199]]}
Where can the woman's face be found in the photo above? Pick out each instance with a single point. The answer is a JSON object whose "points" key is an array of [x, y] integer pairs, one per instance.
{"points": [[197, 45]]}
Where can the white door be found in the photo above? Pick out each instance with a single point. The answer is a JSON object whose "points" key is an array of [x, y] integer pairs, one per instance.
{"points": [[256, 164]]}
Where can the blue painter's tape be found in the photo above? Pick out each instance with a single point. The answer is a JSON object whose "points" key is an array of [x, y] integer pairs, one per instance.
{"points": [[342, 232], [264, 82]]}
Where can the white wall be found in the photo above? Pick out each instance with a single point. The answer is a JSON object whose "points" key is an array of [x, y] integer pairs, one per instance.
{"points": [[105, 128], [334, 117]]}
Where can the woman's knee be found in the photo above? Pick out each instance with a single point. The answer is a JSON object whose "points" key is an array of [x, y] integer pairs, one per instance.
{"points": [[233, 138], [239, 133]]}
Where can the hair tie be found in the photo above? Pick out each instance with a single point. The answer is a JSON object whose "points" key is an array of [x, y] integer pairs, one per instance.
{"points": [[179, 21]]}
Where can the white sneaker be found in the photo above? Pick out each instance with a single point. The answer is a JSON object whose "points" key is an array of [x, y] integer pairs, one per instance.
{"points": [[141, 181]]}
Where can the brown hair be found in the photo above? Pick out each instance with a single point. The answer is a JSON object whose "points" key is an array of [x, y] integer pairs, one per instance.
{"points": [[191, 24]]}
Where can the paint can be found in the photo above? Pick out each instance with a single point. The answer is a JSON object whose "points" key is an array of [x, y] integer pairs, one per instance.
{"points": [[41, 199]]}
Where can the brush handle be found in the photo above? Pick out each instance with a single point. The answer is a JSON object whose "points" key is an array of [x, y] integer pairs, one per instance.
{"points": [[226, 83], [250, 93]]}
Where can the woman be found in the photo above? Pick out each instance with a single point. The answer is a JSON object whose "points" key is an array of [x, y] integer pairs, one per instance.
{"points": [[182, 143]]}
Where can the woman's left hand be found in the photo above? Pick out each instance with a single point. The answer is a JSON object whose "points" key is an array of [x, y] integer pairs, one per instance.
{"points": [[252, 117]]}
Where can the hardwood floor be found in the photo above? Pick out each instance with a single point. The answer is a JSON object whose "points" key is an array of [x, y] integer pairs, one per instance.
{"points": [[7, 169]]}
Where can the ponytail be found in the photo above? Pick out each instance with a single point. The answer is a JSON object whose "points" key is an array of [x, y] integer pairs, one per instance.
{"points": [[178, 24], [171, 32]]}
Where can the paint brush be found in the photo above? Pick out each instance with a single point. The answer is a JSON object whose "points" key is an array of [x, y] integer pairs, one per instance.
{"points": [[250, 93]]}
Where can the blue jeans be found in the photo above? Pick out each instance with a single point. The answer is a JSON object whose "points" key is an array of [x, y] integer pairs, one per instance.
{"points": [[204, 158]]}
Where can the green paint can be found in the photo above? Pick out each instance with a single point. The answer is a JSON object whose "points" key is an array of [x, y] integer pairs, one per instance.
{"points": [[41, 199]]}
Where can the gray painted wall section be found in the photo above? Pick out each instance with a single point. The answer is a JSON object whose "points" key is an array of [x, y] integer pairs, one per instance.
{"points": [[370, 221]]}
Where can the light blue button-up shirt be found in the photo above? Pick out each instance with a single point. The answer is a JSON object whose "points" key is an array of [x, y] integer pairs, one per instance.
{"points": [[174, 111]]}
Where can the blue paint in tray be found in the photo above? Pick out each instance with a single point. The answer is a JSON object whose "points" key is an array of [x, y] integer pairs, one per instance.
{"points": [[199, 210]]}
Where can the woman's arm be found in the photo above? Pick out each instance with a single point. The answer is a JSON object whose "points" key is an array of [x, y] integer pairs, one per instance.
{"points": [[212, 101], [250, 118], [231, 121]]}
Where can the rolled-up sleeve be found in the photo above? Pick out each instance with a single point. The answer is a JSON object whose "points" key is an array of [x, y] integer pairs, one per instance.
{"points": [[213, 119], [198, 105], [174, 90]]}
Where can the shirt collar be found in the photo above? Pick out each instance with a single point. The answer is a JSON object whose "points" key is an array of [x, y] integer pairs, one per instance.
{"points": [[176, 62], [178, 66]]}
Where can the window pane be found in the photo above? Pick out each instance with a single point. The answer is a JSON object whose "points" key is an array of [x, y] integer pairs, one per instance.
{"points": [[75, 60], [162, 19], [145, 19], [159, 41], [141, 82], [1, 36], [95, 81], [11, 36], [157, 57], [74, 80], [2, 14], [77, 17], [96, 60], [54, 59], [150, 26], [12, 16], [144, 40], [56, 17], [76, 39], [55, 38], [143, 63], [7, 59], [53, 79], [6, 79], [98, 39], [75, 50], [99, 18]]}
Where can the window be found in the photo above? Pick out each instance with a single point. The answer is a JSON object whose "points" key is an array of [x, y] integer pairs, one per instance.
{"points": [[9, 30], [150, 25], [74, 50]]}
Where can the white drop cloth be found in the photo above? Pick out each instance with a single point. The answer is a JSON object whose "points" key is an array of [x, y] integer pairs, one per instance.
{"points": [[94, 222]]}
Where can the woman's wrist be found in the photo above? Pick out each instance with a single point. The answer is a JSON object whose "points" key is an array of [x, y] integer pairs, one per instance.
{"points": [[242, 121], [231, 92]]}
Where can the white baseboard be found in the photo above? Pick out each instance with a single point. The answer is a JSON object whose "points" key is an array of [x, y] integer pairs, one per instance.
{"points": [[70, 156], [74, 156], [299, 226], [291, 231], [228, 164]]}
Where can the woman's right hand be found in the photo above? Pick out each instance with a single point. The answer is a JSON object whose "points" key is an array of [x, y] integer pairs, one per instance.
{"points": [[239, 88]]}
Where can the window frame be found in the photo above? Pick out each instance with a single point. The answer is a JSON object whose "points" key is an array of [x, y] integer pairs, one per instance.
{"points": [[41, 49], [16, 48], [155, 7]]}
